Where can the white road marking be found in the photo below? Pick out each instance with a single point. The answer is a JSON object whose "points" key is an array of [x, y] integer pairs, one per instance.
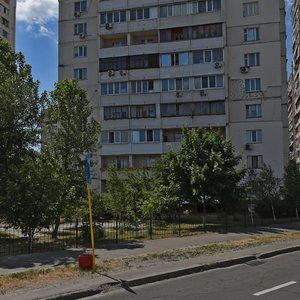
{"points": [[277, 287]]}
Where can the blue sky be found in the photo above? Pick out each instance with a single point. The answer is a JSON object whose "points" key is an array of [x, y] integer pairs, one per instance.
{"points": [[37, 38]]}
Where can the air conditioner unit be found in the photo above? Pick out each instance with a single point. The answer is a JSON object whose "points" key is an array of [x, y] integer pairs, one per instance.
{"points": [[108, 26], [179, 94], [244, 69], [123, 72], [218, 65], [111, 73], [77, 14], [202, 93], [82, 36], [248, 147]]}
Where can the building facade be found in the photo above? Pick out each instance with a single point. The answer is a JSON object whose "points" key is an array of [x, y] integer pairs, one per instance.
{"points": [[153, 66], [8, 21], [294, 87]]}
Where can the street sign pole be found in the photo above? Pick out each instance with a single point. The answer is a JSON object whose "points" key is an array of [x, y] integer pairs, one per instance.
{"points": [[89, 180]]}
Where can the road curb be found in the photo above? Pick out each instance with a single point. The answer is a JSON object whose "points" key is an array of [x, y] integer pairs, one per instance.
{"points": [[174, 274]]}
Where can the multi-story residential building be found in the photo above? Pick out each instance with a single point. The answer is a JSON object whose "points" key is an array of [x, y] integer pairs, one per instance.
{"points": [[8, 21], [294, 87], [153, 66]]}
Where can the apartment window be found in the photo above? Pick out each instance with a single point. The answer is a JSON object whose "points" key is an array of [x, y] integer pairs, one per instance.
{"points": [[80, 6], [174, 59], [5, 34], [204, 6], [116, 112], [113, 17], [174, 34], [252, 85], [211, 81], [143, 111], [80, 51], [253, 111], [252, 59], [114, 137], [139, 14], [254, 136], [142, 86], [4, 22], [114, 88], [207, 56], [177, 9], [175, 84], [250, 9], [145, 135], [4, 10], [207, 31], [120, 163], [80, 28], [251, 34], [255, 162], [193, 109], [80, 74]]}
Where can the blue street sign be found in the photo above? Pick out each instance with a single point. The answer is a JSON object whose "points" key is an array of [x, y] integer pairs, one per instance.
{"points": [[88, 168]]}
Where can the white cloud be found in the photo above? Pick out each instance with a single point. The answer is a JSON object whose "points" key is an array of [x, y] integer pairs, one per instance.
{"points": [[289, 3], [37, 14]]}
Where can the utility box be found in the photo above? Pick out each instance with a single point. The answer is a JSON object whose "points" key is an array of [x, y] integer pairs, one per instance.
{"points": [[85, 261]]}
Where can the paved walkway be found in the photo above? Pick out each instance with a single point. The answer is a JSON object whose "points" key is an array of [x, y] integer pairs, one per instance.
{"points": [[20, 263]]}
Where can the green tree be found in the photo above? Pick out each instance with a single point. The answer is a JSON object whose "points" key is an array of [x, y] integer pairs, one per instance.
{"points": [[70, 131], [31, 196], [20, 111], [264, 188], [291, 187]]}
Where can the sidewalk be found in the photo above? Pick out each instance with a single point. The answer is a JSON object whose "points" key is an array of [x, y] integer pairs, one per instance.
{"points": [[9, 265]]}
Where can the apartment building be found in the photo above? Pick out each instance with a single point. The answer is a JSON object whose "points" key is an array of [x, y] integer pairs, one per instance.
{"points": [[8, 21], [294, 87], [153, 66]]}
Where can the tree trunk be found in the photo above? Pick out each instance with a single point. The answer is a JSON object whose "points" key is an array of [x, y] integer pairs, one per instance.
{"points": [[297, 215], [55, 230], [30, 241], [204, 214], [273, 212]]}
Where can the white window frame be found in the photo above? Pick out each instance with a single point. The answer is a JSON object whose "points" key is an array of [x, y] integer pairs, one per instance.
{"points": [[82, 6], [255, 162], [80, 28], [253, 111], [80, 74], [254, 136], [80, 51], [252, 59], [252, 85], [251, 34], [250, 9]]}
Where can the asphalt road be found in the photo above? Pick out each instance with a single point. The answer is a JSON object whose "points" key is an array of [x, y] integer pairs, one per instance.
{"points": [[276, 278]]}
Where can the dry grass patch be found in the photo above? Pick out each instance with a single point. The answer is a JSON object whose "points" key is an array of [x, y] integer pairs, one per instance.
{"points": [[38, 278]]}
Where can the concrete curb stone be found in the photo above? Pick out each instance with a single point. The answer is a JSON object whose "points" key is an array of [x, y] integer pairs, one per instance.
{"points": [[174, 274]]}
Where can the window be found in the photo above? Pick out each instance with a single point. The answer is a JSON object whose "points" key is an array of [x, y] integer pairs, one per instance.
{"points": [[114, 137], [251, 34], [80, 6], [252, 85], [192, 109], [211, 81], [142, 86], [174, 59], [253, 111], [207, 56], [80, 74], [204, 6], [140, 136], [116, 112], [114, 88], [4, 10], [80, 51], [80, 28], [4, 22], [252, 59], [143, 111], [175, 84], [113, 17], [4, 33], [207, 31], [250, 9], [120, 163], [177, 9], [139, 14], [255, 162], [254, 136]]}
